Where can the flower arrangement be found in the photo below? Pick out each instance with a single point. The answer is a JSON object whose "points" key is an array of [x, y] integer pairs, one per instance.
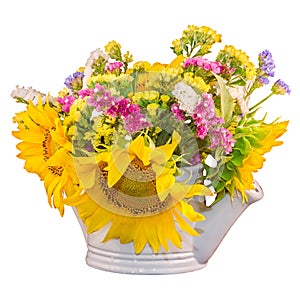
{"points": [[117, 139]]}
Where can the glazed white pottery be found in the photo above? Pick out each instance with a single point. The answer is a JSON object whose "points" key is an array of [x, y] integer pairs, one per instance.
{"points": [[196, 251]]}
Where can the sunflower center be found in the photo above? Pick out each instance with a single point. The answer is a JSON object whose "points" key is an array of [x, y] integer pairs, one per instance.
{"points": [[49, 148], [137, 181], [133, 195]]}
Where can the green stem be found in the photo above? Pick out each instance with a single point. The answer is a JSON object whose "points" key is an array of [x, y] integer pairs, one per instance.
{"points": [[260, 102]]}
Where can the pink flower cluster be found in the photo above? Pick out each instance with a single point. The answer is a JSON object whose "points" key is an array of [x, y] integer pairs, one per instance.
{"points": [[66, 102], [208, 123], [129, 113], [205, 64], [114, 65], [100, 98], [177, 111]]}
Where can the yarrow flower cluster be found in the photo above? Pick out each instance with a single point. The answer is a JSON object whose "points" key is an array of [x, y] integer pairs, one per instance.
{"points": [[120, 131]]}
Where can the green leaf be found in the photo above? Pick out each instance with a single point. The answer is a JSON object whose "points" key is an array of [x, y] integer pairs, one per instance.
{"points": [[226, 101], [227, 174], [238, 158], [243, 145]]}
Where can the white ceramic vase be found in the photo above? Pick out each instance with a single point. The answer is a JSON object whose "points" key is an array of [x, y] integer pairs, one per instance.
{"points": [[195, 253]]}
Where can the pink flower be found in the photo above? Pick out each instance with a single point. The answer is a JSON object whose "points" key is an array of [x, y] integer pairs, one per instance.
{"points": [[177, 111], [66, 102], [205, 64], [114, 65]]}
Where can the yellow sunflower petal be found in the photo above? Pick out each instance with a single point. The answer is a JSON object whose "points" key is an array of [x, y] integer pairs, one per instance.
{"points": [[151, 234], [189, 212], [137, 147], [197, 190], [176, 63], [163, 153], [162, 230], [174, 236], [163, 183], [126, 232], [140, 239], [184, 225], [117, 167]]}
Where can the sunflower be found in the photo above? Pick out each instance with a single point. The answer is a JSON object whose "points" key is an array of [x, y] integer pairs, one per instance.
{"points": [[46, 151], [135, 191], [244, 178]]}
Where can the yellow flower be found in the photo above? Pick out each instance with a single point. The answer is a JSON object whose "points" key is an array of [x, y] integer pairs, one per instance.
{"points": [[177, 48], [113, 49], [147, 95], [64, 92], [244, 179], [135, 190], [47, 152], [152, 107], [244, 59], [141, 66], [165, 98], [197, 82]]}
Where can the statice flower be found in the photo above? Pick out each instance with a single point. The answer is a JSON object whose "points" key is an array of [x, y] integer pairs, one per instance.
{"points": [[281, 88], [74, 82], [115, 66], [86, 92], [135, 122], [208, 123], [205, 64], [221, 137], [266, 67], [66, 102], [101, 98], [266, 63], [263, 80], [177, 112], [29, 94], [186, 96], [88, 70]]}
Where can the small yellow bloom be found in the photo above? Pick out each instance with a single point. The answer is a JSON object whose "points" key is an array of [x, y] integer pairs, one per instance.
{"points": [[165, 98], [197, 82], [113, 49], [244, 59], [152, 107], [64, 92], [141, 66], [80, 69], [147, 95]]}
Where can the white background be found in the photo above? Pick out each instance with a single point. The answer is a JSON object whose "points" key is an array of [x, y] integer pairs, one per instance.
{"points": [[43, 42]]}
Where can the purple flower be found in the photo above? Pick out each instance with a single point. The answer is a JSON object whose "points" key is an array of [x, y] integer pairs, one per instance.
{"points": [[280, 87], [74, 82], [263, 80], [266, 63]]}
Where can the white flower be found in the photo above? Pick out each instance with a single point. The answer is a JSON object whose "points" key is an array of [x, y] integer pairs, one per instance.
{"points": [[239, 92], [187, 97], [29, 94], [88, 71]]}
